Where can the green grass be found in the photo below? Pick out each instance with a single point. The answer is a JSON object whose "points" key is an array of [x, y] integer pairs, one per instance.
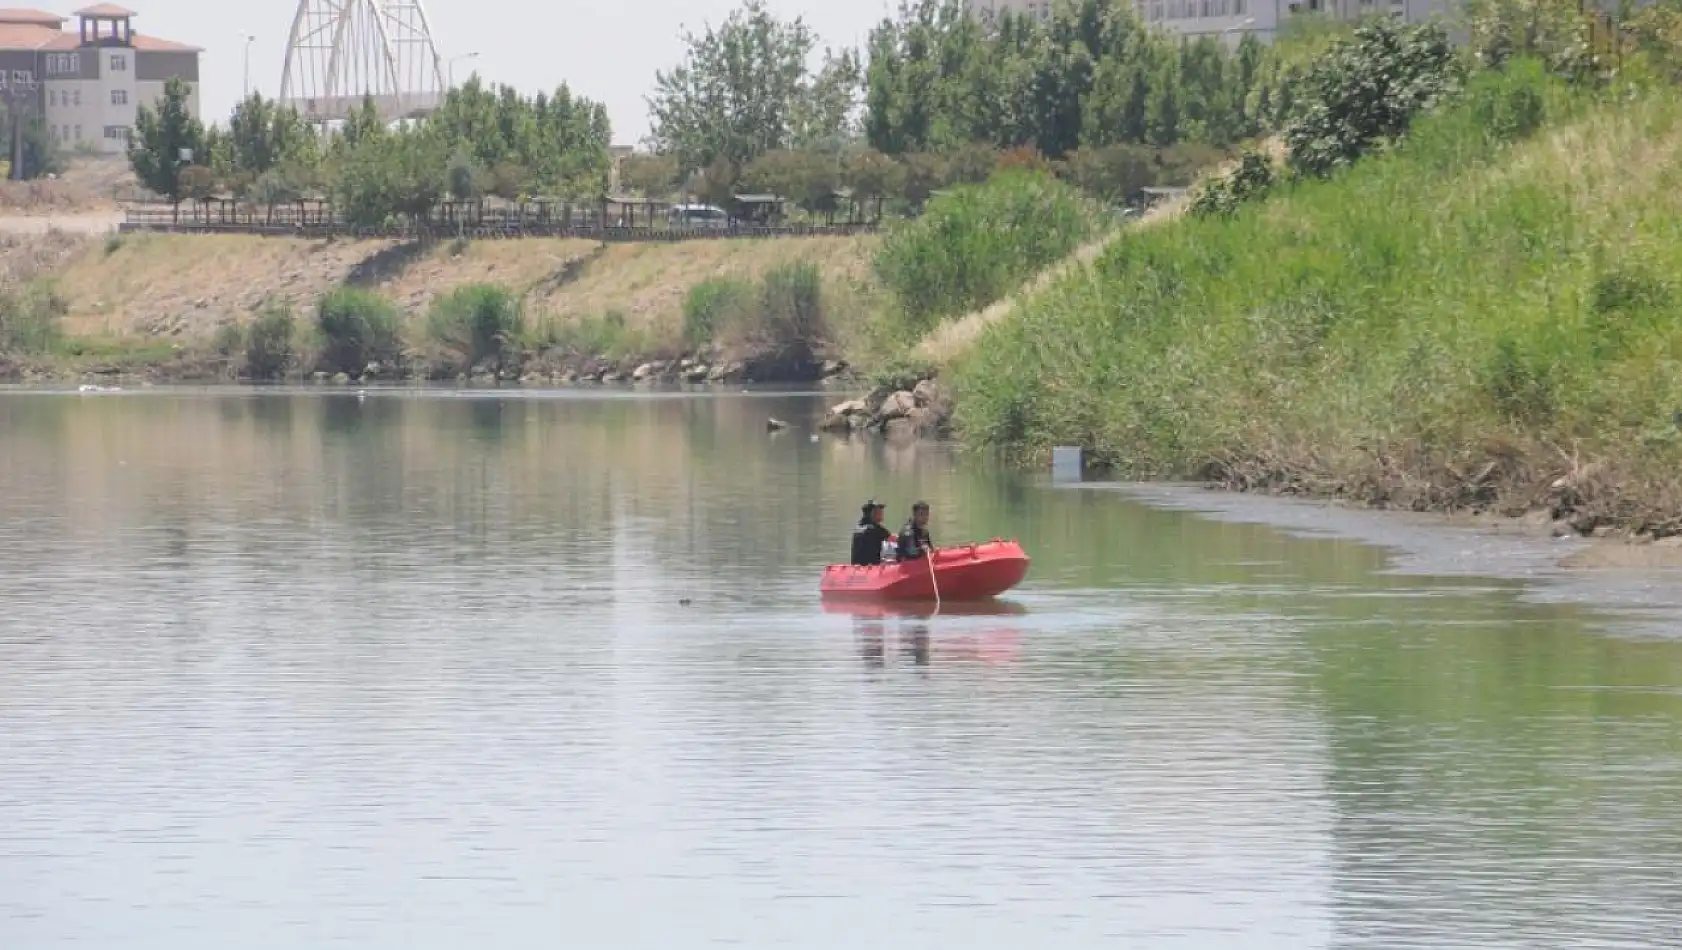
{"points": [[270, 343], [790, 305], [1489, 313], [608, 335], [356, 328], [976, 243], [475, 324], [29, 320], [713, 305]]}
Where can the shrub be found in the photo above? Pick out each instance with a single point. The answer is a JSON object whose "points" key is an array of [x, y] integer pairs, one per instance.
{"points": [[1115, 173], [357, 327], [229, 340], [791, 305], [975, 243], [1223, 195], [899, 373], [712, 305], [475, 323], [29, 320], [1368, 88], [268, 343]]}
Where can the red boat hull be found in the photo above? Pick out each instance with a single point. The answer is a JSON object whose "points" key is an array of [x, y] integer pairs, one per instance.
{"points": [[969, 572]]}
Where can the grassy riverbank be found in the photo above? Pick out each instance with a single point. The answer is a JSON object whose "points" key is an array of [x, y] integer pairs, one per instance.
{"points": [[1483, 317], [185, 306]]}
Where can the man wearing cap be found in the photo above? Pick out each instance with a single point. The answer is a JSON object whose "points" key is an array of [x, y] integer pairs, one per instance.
{"points": [[914, 541], [869, 536]]}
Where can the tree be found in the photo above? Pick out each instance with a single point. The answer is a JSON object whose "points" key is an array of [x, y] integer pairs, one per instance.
{"points": [[275, 187], [1162, 108], [1091, 75], [872, 175], [482, 140], [558, 141], [828, 112], [166, 140], [1115, 173], [507, 181], [262, 136], [396, 175], [924, 172], [198, 182], [648, 175], [743, 89], [809, 179], [41, 153]]}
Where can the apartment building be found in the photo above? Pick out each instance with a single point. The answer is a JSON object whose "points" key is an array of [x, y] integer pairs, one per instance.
{"points": [[87, 79]]}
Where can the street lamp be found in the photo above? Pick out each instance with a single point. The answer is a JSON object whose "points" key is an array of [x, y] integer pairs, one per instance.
{"points": [[451, 66], [248, 41]]}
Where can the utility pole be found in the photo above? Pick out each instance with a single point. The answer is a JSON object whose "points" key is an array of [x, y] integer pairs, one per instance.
{"points": [[20, 91], [248, 40]]}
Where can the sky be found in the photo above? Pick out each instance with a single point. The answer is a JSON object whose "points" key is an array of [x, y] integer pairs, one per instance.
{"points": [[607, 50]]}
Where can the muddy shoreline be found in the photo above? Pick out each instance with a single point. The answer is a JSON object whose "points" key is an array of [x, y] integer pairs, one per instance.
{"points": [[1638, 579], [200, 366]]}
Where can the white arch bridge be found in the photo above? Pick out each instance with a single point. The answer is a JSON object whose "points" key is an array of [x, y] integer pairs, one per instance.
{"points": [[341, 51]]}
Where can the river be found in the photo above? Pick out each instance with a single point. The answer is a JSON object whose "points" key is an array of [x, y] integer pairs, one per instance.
{"points": [[433, 670]]}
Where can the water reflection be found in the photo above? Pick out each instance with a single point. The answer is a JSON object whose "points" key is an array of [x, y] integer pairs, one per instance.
{"points": [[910, 626], [420, 671]]}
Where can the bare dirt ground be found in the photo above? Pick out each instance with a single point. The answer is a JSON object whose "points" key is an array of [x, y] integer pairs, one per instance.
{"points": [[88, 186], [185, 285]]}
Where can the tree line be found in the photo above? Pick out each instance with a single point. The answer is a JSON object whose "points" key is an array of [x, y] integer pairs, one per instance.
{"points": [[942, 97], [481, 141], [938, 97]]}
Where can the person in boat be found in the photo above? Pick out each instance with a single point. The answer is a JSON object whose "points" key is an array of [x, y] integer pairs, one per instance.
{"points": [[870, 536], [914, 541]]}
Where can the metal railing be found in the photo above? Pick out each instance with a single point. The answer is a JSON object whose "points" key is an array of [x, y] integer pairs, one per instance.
{"points": [[315, 218]]}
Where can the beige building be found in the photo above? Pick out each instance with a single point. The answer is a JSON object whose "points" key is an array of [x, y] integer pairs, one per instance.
{"points": [[86, 80]]}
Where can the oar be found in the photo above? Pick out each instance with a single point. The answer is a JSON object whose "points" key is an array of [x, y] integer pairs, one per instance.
{"points": [[930, 558]]}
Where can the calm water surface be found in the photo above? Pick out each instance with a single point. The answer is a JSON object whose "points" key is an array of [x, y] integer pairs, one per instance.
{"points": [[301, 670]]}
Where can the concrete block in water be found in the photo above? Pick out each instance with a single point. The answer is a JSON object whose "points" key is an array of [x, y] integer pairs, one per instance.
{"points": [[1065, 463]]}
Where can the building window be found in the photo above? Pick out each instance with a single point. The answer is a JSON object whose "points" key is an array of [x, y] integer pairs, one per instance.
{"points": [[52, 97], [78, 133], [119, 97], [119, 62], [117, 132], [76, 94], [1238, 7], [59, 64]]}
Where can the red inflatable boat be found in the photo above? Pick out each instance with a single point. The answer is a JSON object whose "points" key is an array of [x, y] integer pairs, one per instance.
{"points": [[969, 572]]}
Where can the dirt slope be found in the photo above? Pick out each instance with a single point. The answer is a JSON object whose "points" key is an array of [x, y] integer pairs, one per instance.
{"points": [[187, 285]]}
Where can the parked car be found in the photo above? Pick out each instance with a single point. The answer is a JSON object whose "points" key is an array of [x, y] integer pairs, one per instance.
{"points": [[697, 216]]}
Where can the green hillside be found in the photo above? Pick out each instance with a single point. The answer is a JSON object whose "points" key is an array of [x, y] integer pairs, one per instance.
{"points": [[1487, 314]]}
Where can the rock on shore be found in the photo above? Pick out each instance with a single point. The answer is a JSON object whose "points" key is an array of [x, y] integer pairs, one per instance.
{"points": [[924, 411]]}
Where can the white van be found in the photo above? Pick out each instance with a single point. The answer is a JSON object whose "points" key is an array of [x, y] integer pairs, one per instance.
{"points": [[697, 216]]}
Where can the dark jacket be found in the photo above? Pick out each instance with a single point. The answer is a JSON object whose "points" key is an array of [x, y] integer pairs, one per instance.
{"points": [[867, 542], [912, 540]]}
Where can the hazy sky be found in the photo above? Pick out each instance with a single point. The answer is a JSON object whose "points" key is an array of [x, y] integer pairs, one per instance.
{"points": [[605, 49]]}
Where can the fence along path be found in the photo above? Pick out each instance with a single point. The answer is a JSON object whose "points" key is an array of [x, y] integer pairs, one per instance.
{"points": [[456, 219]]}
